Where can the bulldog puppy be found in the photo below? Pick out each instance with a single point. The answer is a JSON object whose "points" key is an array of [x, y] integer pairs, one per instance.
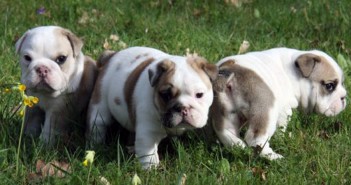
{"points": [[152, 94], [55, 70], [260, 89]]}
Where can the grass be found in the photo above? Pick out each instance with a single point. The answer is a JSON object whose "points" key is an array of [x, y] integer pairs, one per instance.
{"points": [[317, 149]]}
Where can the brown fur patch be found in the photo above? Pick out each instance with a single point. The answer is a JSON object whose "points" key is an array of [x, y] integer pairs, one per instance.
{"points": [[96, 96], [139, 56], [105, 58], [316, 68], [87, 82], [69, 119], [324, 71], [75, 42], [253, 90], [69, 45], [227, 63], [129, 87], [208, 72], [165, 72]]}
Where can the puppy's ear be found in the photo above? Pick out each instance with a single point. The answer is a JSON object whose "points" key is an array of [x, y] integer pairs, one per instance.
{"points": [[20, 42], [306, 63], [227, 63], [211, 70], [225, 76], [223, 80], [76, 43], [161, 68], [105, 58]]}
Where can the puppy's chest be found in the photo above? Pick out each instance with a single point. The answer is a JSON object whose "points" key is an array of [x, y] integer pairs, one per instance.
{"points": [[63, 102]]}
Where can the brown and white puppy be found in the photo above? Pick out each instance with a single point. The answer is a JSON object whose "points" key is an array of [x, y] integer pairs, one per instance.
{"points": [[152, 94], [260, 89], [55, 70]]}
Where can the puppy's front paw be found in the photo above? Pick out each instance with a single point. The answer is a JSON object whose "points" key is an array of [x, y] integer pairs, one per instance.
{"points": [[46, 138], [272, 156], [269, 154], [229, 138], [150, 161]]}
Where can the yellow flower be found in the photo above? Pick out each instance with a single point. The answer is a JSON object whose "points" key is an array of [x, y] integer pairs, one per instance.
{"points": [[7, 90], [21, 87], [85, 162], [29, 100], [26, 101], [34, 99], [89, 157]]}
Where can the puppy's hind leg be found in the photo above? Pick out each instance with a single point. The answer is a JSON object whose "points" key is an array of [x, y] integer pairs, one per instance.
{"points": [[227, 129], [99, 118], [262, 125]]}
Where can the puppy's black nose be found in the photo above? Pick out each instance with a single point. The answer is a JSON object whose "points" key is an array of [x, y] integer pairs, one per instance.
{"points": [[42, 71]]}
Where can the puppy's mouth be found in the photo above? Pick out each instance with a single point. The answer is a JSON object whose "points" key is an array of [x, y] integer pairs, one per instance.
{"points": [[177, 120], [182, 124], [42, 86]]}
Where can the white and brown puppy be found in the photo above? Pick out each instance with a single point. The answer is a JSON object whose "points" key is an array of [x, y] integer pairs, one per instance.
{"points": [[55, 70], [260, 89], [152, 94]]}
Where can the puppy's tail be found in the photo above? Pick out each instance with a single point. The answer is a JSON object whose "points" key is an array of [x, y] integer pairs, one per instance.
{"points": [[105, 58]]}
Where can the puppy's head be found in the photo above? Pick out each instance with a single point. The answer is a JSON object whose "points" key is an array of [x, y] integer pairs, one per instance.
{"points": [[183, 91], [327, 95], [49, 58]]}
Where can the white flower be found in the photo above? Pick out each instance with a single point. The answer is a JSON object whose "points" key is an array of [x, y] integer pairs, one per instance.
{"points": [[136, 180], [244, 46]]}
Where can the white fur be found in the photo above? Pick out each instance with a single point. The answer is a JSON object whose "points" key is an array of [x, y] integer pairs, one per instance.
{"points": [[42, 46], [277, 69], [148, 128]]}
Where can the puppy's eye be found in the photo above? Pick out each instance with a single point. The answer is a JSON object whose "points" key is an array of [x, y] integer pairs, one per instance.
{"points": [[166, 95], [199, 95], [330, 87], [61, 59], [28, 58]]}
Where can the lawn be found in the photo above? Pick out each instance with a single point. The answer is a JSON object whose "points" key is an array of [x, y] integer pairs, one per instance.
{"points": [[317, 149]]}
